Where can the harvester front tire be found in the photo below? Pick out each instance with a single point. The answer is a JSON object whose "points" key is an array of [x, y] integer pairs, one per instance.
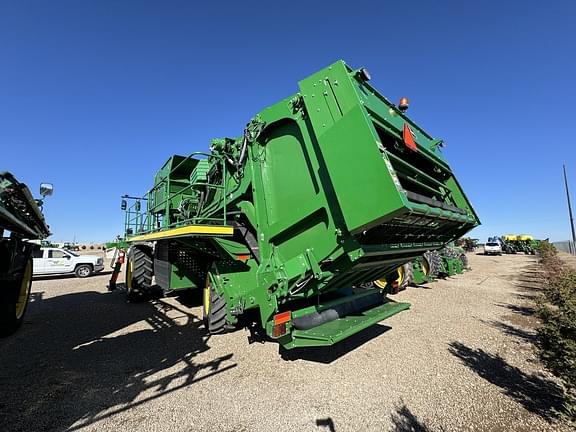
{"points": [[398, 281], [214, 310], [407, 276], [13, 309], [139, 270], [433, 264]]}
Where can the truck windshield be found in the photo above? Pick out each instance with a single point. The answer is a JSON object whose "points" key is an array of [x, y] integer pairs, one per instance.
{"points": [[71, 253]]}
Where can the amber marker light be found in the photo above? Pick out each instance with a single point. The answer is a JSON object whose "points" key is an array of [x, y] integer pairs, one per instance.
{"points": [[404, 104]]}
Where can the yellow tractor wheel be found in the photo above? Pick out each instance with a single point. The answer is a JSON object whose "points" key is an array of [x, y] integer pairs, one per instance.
{"points": [[402, 278], [13, 308], [214, 309]]}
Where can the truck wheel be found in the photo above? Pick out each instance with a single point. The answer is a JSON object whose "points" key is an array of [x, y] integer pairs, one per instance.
{"points": [[12, 312], [139, 271], [214, 310], [83, 270]]}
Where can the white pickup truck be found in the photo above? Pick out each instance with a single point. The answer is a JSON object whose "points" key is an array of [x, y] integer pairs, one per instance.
{"points": [[492, 248], [55, 261]]}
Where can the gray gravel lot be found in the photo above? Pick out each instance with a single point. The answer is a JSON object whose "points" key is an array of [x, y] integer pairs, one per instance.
{"points": [[460, 359]]}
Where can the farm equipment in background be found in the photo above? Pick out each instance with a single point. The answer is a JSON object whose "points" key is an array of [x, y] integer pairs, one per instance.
{"points": [[527, 244], [46, 244], [468, 244], [448, 261], [508, 242], [329, 189], [71, 246], [422, 269], [20, 215], [426, 268], [512, 244], [454, 260]]}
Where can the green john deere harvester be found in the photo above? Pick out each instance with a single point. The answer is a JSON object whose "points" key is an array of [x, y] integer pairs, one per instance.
{"points": [[324, 192], [21, 219]]}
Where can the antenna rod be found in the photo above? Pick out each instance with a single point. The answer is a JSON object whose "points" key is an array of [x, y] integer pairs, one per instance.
{"points": [[569, 205]]}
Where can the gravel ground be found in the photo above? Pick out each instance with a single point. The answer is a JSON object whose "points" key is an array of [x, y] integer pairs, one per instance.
{"points": [[459, 359]]}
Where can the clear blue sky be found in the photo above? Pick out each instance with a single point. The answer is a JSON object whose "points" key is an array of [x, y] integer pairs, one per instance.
{"points": [[95, 95]]}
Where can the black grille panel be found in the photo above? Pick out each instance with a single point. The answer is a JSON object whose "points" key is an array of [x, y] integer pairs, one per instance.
{"points": [[411, 229], [183, 259]]}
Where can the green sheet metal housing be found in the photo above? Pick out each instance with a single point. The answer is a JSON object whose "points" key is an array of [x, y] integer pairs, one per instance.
{"points": [[323, 194]]}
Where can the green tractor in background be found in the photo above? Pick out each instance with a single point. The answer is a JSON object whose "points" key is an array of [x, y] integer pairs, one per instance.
{"points": [[527, 244], [448, 261], [454, 260], [508, 242], [468, 244], [512, 244]]}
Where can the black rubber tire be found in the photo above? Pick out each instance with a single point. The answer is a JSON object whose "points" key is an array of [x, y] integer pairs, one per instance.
{"points": [[83, 271], [434, 263], [139, 272], [408, 276], [214, 310], [464, 259], [9, 319]]}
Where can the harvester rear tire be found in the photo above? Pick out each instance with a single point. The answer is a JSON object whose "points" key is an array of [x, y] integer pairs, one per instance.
{"points": [[13, 307], [433, 262], [139, 271], [214, 310]]}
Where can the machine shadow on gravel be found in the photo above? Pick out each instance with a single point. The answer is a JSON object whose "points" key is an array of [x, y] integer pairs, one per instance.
{"points": [[514, 331], [524, 310], [326, 424], [249, 321], [536, 393], [70, 366], [404, 421]]}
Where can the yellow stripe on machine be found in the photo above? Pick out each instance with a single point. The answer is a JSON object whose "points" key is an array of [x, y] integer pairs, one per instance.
{"points": [[185, 231]]}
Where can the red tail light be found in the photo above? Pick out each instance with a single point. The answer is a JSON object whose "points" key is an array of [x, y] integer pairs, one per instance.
{"points": [[409, 138], [279, 330], [282, 318], [280, 321]]}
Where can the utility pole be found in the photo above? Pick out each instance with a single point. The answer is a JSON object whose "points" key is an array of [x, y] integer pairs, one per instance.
{"points": [[569, 206]]}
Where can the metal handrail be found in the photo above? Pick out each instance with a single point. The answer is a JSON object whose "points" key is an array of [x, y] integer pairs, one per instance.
{"points": [[148, 219], [166, 178]]}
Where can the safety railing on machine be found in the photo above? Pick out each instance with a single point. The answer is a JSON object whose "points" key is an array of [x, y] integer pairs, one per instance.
{"points": [[140, 221]]}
